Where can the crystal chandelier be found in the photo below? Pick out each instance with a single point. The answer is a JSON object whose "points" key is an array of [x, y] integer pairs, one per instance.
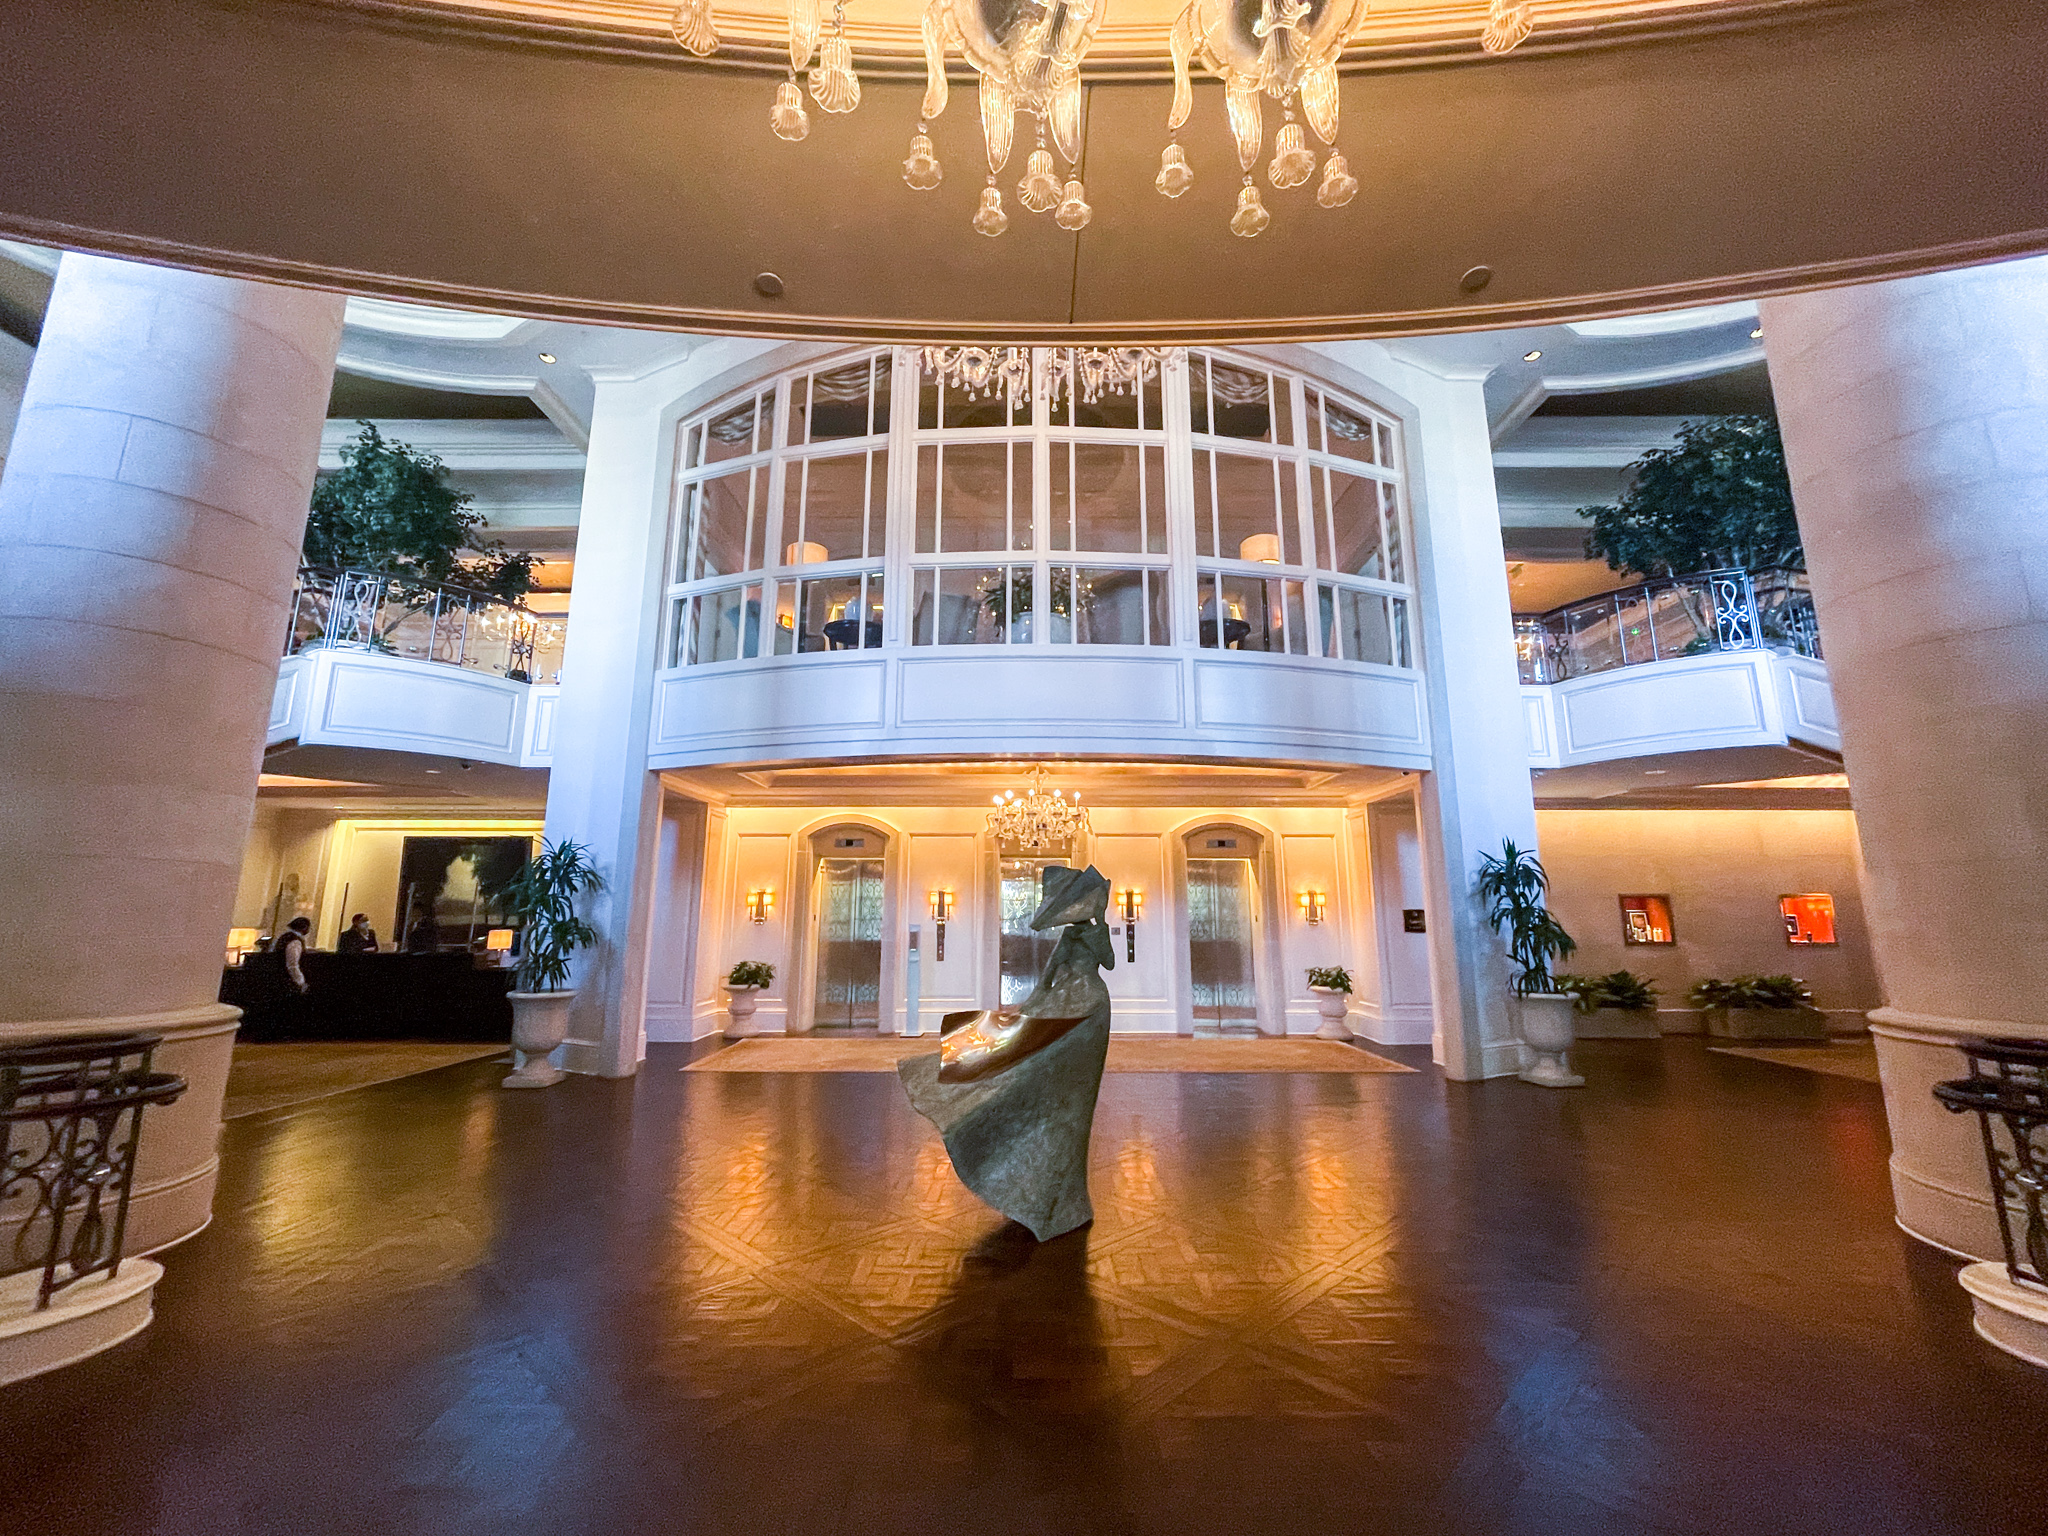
{"points": [[1028, 54], [1038, 818], [982, 373]]}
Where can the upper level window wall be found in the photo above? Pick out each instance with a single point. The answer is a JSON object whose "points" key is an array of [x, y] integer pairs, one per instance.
{"points": [[1215, 503]]}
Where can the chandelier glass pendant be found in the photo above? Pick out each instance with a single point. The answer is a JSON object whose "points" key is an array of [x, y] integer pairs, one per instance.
{"points": [[1028, 56], [1016, 374], [1040, 818]]}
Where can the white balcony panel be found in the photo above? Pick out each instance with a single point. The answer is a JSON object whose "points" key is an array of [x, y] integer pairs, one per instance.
{"points": [[1809, 702], [287, 701], [1012, 689], [539, 735], [1667, 706], [793, 701], [1539, 710], [418, 706], [1370, 708]]}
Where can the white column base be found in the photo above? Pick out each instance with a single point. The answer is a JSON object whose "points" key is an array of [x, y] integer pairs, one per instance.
{"points": [[2013, 1317], [80, 1321]]}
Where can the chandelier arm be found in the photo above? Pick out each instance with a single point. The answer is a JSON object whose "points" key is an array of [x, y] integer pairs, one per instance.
{"points": [[1319, 103], [998, 120], [803, 32], [1246, 123], [1181, 43], [933, 30]]}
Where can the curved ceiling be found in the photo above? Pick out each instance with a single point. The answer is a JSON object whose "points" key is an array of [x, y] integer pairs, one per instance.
{"points": [[572, 165]]}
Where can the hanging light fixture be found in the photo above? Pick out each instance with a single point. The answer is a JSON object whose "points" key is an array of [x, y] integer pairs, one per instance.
{"points": [[1014, 373], [1028, 57], [1041, 817]]}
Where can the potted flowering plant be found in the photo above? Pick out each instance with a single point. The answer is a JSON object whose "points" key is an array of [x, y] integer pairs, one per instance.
{"points": [[1513, 885], [541, 900], [742, 983], [1332, 987]]}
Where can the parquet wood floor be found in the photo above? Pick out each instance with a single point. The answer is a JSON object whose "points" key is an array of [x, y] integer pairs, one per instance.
{"points": [[1673, 1302]]}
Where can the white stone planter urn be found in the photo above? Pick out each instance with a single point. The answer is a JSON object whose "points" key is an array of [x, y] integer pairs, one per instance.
{"points": [[540, 1023], [1549, 1029], [1332, 1004], [740, 1003]]}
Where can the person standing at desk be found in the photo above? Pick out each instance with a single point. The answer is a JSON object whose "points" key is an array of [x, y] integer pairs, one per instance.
{"points": [[359, 938], [291, 945]]}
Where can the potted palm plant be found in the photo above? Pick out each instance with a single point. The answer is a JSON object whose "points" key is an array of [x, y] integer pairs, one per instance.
{"points": [[742, 982], [1759, 1008], [1513, 885], [541, 900], [1332, 987], [1618, 1006]]}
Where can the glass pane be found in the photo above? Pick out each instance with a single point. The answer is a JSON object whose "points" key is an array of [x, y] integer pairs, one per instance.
{"points": [[730, 435], [1252, 502], [969, 606], [1118, 607], [1220, 967], [1025, 952], [1349, 435], [838, 521], [679, 632], [837, 404], [724, 536], [1361, 632], [1242, 612], [1240, 403], [1354, 518], [1314, 436], [957, 410], [728, 625], [1401, 657], [1390, 520], [1386, 445], [1297, 620], [974, 496], [693, 447], [834, 615], [1198, 393], [1100, 497]]}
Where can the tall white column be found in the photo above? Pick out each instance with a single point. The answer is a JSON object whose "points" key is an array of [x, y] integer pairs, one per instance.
{"points": [[151, 511], [1915, 416], [1478, 792], [600, 791]]}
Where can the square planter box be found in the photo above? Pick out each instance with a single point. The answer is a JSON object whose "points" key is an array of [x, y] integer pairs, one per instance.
{"points": [[1768, 1024], [1618, 1024]]}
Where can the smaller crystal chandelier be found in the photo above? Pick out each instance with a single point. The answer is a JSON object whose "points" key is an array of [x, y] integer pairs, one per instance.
{"points": [[1088, 372], [1040, 817]]}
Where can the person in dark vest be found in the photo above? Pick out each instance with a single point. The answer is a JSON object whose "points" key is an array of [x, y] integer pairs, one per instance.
{"points": [[358, 938], [291, 944], [425, 938]]}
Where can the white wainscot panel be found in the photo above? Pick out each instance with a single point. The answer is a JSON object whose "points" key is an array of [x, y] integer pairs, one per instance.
{"points": [[541, 703], [1380, 709], [1809, 702], [1663, 708], [1036, 686], [287, 700], [416, 706], [1537, 711], [697, 704]]}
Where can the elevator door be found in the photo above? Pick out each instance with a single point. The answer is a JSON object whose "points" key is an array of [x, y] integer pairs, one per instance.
{"points": [[1025, 951], [849, 982], [1220, 946]]}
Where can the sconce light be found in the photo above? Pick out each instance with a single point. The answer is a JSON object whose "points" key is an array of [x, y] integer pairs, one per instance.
{"points": [[240, 942], [1130, 905], [760, 903], [942, 908], [1312, 904], [498, 939]]}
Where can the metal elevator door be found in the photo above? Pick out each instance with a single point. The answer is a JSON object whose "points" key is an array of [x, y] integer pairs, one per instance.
{"points": [[849, 980], [1220, 941], [1024, 952]]}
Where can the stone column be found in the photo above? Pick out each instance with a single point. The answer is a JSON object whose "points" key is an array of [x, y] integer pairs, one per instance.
{"points": [[1915, 416], [150, 518]]}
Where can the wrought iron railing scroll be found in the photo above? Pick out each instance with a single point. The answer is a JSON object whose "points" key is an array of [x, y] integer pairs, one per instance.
{"points": [[453, 625], [1661, 620]]}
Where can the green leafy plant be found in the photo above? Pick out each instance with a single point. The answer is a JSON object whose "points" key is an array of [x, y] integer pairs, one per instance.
{"points": [[1718, 498], [1617, 989], [390, 509], [751, 973], [1513, 885], [1334, 977], [1012, 599], [1751, 992], [541, 899]]}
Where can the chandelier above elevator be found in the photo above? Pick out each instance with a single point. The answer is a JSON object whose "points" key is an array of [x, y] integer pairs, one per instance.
{"points": [[1028, 57], [1040, 818]]}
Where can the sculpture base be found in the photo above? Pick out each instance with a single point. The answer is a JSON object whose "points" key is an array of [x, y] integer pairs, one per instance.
{"points": [[2012, 1316], [80, 1321], [1019, 1139]]}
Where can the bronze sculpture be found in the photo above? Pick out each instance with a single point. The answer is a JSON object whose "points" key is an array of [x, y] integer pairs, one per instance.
{"points": [[1014, 1095]]}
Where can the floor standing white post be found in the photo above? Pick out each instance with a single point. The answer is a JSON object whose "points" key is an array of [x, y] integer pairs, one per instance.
{"points": [[913, 988]]}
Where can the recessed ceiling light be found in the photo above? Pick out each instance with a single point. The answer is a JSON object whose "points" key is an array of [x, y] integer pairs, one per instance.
{"points": [[1647, 772], [433, 770], [1757, 334], [547, 357], [1532, 354]]}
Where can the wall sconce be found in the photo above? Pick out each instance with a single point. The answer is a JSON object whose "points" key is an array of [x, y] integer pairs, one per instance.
{"points": [[942, 908], [760, 903], [1130, 905], [1313, 902]]}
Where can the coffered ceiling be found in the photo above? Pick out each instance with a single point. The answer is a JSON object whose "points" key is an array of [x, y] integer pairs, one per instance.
{"points": [[567, 160]]}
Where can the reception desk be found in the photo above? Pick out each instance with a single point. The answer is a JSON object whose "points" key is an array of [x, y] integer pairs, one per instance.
{"points": [[370, 997]]}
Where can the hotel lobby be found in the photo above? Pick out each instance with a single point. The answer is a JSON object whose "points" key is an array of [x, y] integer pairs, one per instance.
{"points": [[974, 744]]}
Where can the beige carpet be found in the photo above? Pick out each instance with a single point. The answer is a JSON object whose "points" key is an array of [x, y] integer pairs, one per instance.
{"points": [[1127, 1053], [277, 1075], [1842, 1058]]}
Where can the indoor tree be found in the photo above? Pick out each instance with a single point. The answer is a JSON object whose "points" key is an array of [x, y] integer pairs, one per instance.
{"points": [[1717, 499]]}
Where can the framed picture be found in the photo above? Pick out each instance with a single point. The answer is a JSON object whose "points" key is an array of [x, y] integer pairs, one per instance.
{"points": [[1809, 919], [1647, 920]]}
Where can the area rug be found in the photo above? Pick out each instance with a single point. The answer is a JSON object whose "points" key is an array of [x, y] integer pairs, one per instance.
{"points": [[1127, 1053], [1849, 1058], [279, 1075]]}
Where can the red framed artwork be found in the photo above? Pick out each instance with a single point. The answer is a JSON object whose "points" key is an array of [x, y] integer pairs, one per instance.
{"points": [[1809, 919], [1647, 920]]}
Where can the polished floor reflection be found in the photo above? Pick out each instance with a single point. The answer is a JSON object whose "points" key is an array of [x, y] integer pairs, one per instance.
{"points": [[740, 1303]]}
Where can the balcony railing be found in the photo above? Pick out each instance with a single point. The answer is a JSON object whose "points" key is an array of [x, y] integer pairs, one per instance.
{"points": [[1662, 620], [453, 625]]}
